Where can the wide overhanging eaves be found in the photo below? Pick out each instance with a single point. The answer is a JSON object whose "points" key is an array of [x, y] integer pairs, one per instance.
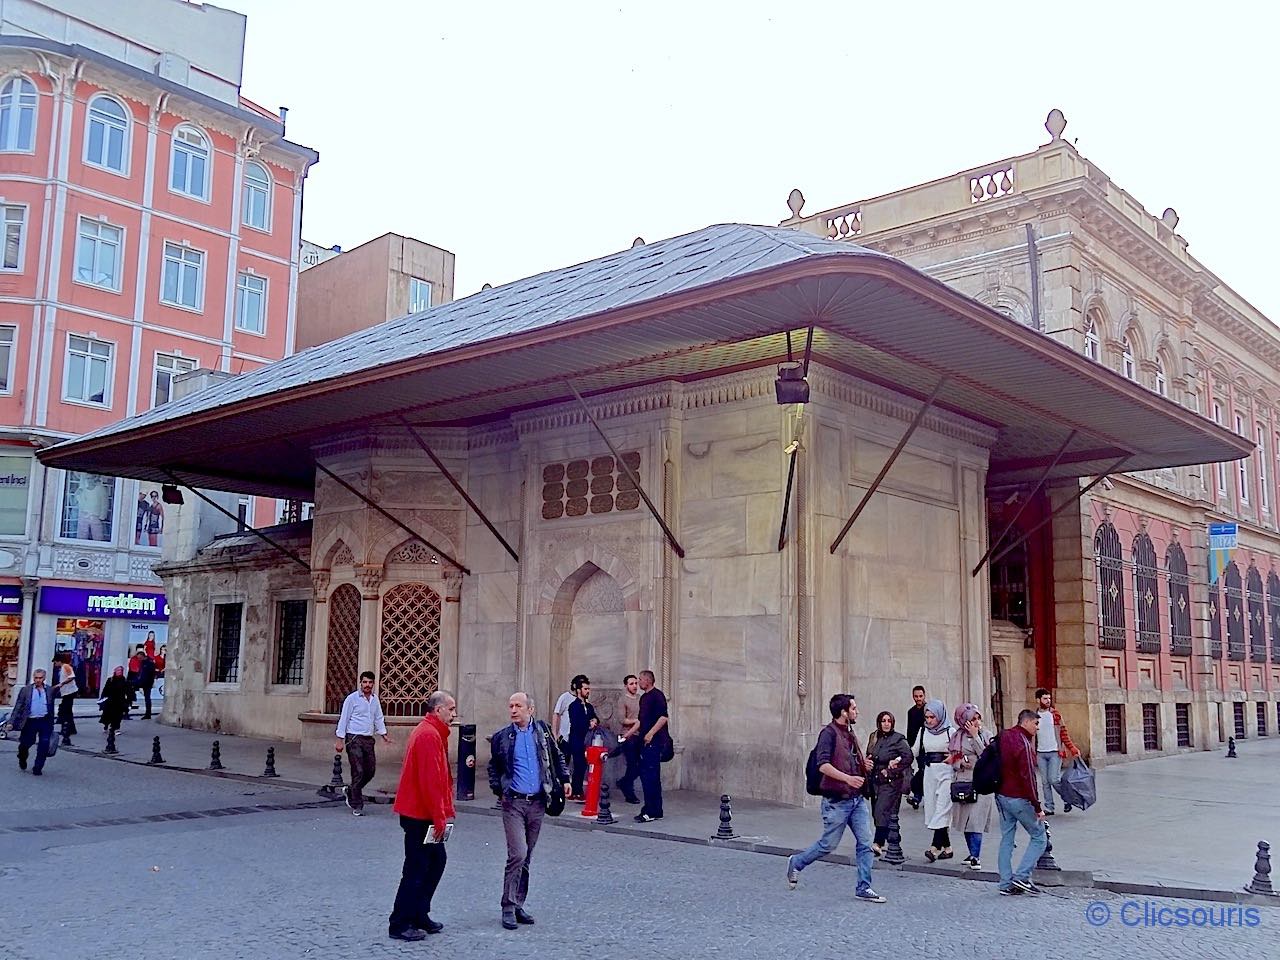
{"points": [[876, 318]]}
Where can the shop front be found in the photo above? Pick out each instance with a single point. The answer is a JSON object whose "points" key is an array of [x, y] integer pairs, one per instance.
{"points": [[10, 639], [102, 629]]}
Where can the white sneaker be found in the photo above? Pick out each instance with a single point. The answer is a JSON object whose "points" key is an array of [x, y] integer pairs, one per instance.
{"points": [[346, 795], [869, 896]]}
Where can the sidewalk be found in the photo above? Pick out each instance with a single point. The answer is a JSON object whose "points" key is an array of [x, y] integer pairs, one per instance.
{"points": [[1178, 824]]}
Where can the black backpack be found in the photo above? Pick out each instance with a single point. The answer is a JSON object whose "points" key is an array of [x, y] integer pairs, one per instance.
{"points": [[986, 772], [812, 776]]}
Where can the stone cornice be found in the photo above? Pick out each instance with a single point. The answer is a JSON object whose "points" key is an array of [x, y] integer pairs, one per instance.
{"points": [[394, 442]]}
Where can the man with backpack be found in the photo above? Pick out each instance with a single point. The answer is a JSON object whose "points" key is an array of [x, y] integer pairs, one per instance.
{"points": [[1007, 768], [836, 771]]}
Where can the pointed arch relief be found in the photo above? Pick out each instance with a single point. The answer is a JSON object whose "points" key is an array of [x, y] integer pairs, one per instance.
{"points": [[394, 543]]}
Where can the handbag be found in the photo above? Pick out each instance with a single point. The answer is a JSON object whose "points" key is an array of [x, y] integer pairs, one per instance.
{"points": [[554, 805], [962, 792]]}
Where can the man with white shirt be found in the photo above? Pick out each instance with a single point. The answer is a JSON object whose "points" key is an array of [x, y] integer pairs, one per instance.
{"points": [[560, 723], [361, 718], [33, 715], [1053, 745]]}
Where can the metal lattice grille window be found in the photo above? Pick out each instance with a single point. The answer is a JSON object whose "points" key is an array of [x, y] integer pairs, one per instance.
{"points": [[1262, 719], [1182, 713], [1146, 591], [1238, 709], [343, 653], [1111, 618], [291, 641], [1151, 726], [1115, 727], [226, 638], [1273, 613], [599, 485], [409, 668], [1175, 563], [1257, 617], [1215, 621], [1235, 613]]}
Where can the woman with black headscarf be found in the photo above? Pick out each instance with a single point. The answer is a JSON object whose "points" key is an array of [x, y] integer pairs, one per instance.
{"points": [[115, 700], [890, 757]]}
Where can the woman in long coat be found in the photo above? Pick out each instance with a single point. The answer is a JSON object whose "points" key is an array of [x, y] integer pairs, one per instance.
{"points": [[890, 758], [967, 744], [115, 700], [933, 742]]}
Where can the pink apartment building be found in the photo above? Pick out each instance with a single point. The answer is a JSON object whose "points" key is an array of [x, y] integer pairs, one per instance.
{"points": [[151, 226]]}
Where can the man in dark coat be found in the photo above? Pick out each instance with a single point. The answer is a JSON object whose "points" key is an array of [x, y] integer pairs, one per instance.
{"points": [[146, 680], [915, 723], [656, 746], [582, 724], [33, 716]]}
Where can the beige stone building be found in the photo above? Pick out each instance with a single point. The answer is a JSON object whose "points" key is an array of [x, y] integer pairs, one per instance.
{"points": [[786, 551], [1114, 610]]}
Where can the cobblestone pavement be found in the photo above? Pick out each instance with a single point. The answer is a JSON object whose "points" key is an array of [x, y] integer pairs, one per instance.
{"points": [[307, 882]]}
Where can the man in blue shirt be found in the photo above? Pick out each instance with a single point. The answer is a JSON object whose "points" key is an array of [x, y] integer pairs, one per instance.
{"points": [[525, 769], [33, 715]]}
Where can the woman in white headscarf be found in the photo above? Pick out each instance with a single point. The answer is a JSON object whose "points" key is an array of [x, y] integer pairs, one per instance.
{"points": [[933, 743]]}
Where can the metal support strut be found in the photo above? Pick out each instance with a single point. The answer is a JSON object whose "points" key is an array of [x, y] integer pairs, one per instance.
{"points": [[795, 441], [888, 464], [458, 486], [254, 530], [390, 516], [996, 543], [631, 474]]}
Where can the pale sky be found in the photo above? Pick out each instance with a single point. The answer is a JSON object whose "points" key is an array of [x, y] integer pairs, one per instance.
{"points": [[529, 136]]}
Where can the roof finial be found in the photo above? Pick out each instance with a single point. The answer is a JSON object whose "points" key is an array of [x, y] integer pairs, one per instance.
{"points": [[1055, 123], [1169, 218], [637, 242], [795, 202], [487, 286]]}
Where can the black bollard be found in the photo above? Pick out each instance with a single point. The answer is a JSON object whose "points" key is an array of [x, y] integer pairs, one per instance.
{"points": [[1231, 748], [111, 741], [155, 751], [333, 789], [270, 771], [893, 842], [1046, 861], [1261, 882], [605, 815], [215, 757], [725, 830]]}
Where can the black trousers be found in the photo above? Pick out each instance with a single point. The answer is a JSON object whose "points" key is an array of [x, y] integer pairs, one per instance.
{"points": [[146, 694], [579, 753], [423, 867], [66, 714], [651, 779], [631, 754], [364, 763]]}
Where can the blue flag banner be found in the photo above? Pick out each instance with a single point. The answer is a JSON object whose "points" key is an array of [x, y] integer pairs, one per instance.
{"points": [[1223, 538]]}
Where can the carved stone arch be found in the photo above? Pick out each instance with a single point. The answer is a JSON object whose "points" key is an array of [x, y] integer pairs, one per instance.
{"points": [[570, 564], [412, 558], [326, 551], [1011, 302], [381, 549], [591, 634], [1137, 339], [1095, 307]]}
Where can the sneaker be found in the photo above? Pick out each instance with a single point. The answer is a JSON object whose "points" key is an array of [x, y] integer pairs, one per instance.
{"points": [[1067, 808], [645, 818], [869, 896], [793, 875], [357, 813], [408, 933], [1048, 813], [974, 863], [1009, 891], [1026, 886]]}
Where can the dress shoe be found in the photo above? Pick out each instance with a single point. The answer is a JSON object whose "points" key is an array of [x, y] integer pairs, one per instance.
{"points": [[509, 919], [431, 926], [524, 916], [408, 933]]}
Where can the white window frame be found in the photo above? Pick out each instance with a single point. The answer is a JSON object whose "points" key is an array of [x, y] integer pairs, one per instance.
{"points": [[414, 302], [1264, 498], [248, 189], [11, 89], [87, 351], [244, 282], [181, 255], [1128, 362], [173, 370], [1242, 465], [14, 215], [1092, 345], [9, 351], [177, 143], [1220, 465], [1162, 379], [122, 126], [97, 226]]}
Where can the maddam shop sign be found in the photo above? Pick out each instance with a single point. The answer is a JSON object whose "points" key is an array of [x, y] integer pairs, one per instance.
{"points": [[77, 602]]}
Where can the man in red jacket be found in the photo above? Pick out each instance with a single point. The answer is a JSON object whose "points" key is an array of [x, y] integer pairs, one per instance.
{"points": [[424, 800], [1019, 804]]}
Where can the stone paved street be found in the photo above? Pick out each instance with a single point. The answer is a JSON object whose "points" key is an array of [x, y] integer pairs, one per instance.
{"points": [[310, 882]]}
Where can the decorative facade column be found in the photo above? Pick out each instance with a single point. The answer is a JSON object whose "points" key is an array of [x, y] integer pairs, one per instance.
{"points": [[319, 638], [370, 577]]}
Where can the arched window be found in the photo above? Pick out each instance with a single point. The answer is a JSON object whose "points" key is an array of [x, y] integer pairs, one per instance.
{"points": [[1092, 345], [1107, 555], [1162, 378], [1175, 564], [190, 162], [1235, 613], [409, 666], [1273, 613], [106, 139], [1146, 590], [1128, 364], [255, 197], [1215, 619], [342, 655], [1257, 617], [18, 115]]}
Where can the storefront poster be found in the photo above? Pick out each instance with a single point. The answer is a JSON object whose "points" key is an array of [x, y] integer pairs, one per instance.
{"points": [[88, 505], [148, 523], [15, 483], [153, 639]]}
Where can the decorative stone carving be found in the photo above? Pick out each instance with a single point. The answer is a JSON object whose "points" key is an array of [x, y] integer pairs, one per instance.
{"points": [[320, 581], [413, 552], [74, 564], [344, 557], [370, 577]]}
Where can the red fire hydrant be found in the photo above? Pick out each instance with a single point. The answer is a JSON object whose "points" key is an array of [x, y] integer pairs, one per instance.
{"points": [[596, 754]]}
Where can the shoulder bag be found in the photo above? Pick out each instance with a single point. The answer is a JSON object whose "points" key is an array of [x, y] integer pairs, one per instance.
{"points": [[554, 805]]}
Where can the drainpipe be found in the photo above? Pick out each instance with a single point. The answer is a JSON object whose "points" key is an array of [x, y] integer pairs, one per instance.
{"points": [[1033, 259]]}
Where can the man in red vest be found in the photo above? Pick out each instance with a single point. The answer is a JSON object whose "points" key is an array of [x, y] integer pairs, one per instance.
{"points": [[424, 801]]}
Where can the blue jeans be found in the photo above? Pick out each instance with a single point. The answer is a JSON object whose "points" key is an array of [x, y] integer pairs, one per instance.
{"points": [[854, 813], [974, 842], [1050, 765], [1014, 811], [36, 731]]}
